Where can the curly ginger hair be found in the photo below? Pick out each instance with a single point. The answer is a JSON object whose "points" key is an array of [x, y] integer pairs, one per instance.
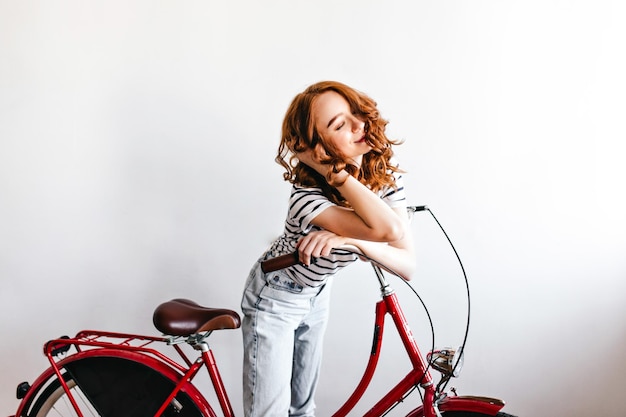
{"points": [[299, 134]]}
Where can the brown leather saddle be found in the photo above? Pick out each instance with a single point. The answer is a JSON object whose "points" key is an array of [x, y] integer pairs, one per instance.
{"points": [[182, 317]]}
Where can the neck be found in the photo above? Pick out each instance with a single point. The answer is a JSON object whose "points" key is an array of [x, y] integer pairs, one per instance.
{"points": [[357, 160]]}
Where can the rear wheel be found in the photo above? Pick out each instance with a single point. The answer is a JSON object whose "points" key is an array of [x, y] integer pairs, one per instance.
{"points": [[110, 387]]}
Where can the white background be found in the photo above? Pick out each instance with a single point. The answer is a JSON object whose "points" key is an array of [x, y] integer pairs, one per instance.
{"points": [[136, 165]]}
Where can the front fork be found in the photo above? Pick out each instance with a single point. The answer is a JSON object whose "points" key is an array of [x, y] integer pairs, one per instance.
{"points": [[429, 398]]}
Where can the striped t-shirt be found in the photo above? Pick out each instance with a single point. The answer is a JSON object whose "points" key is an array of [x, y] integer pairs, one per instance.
{"points": [[304, 205]]}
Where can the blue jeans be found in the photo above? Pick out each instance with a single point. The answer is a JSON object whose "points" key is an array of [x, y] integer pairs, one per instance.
{"points": [[283, 329]]}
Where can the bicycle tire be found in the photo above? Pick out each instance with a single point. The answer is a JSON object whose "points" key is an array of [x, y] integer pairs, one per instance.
{"points": [[108, 386]]}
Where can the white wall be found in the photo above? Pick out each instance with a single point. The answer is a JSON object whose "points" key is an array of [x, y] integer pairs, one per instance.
{"points": [[136, 165]]}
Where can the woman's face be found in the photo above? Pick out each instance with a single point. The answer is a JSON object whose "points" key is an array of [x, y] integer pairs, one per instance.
{"points": [[336, 124]]}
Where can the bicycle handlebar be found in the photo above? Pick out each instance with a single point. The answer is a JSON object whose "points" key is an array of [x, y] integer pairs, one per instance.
{"points": [[291, 259], [280, 262]]}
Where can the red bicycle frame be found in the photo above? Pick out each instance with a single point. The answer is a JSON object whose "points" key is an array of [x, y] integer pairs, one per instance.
{"points": [[418, 375]]}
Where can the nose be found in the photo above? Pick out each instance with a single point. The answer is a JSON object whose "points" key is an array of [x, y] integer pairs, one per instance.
{"points": [[357, 124]]}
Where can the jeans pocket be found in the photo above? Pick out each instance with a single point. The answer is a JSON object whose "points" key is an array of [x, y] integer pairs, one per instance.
{"points": [[282, 282]]}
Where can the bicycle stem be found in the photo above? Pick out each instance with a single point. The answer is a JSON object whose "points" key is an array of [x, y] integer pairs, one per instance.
{"points": [[385, 289]]}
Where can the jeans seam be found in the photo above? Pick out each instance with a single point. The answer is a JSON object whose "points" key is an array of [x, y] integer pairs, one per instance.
{"points": [[255, 354]]}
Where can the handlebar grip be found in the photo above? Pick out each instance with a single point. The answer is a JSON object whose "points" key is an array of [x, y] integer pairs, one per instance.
{"points": [[280, 262]]}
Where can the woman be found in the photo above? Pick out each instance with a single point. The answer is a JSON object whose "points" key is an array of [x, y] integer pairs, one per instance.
{"points": [[346, 190]]}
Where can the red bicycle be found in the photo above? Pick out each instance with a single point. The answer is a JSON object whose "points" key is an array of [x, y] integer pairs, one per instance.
{"points": [[116, 374]]}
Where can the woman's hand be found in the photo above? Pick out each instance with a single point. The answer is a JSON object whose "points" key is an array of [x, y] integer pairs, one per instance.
{"points": [[314, 158], [318, 243]]}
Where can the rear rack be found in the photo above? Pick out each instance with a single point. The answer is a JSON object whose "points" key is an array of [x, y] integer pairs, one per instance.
{"points": [[95, 339]]}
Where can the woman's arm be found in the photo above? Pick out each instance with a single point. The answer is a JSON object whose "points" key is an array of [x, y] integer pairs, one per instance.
{"points": [[398, 255], [368, 218]]}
